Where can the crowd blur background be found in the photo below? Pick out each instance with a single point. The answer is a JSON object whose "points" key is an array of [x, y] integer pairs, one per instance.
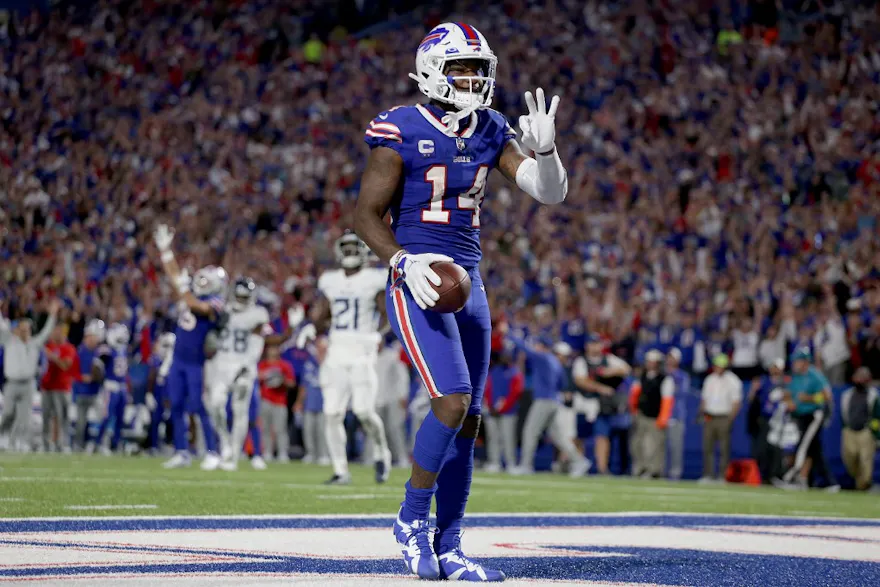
{"points": [[724, 163]]}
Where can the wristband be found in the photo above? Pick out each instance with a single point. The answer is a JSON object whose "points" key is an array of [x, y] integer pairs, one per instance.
{"points": [[167, 256], [547, 153], [395, 259]]}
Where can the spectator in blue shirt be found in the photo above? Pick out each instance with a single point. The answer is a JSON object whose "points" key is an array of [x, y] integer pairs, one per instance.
{"points": [[549, 382]]}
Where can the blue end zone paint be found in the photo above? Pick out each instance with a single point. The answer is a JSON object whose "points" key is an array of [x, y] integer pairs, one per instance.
{"points": [[671, 520], [665, 566]]}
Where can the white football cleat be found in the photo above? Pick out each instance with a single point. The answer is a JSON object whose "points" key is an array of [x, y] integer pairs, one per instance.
{"points": [[211, 462], [178, 461], [258, 463], [105, 451], [492, 468], [580, 468], [229, 465]]}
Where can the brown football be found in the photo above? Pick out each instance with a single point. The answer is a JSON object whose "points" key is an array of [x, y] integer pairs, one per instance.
{"points": [[455, 288]]}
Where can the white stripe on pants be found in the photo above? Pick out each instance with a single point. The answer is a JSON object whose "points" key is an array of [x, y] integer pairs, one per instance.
{"points": [[804, 445], [501, 439], [274, 419], [542, 414], [18, 411]]}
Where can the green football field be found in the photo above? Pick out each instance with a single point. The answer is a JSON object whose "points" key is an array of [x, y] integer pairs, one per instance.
{"points": [[49, 485]]}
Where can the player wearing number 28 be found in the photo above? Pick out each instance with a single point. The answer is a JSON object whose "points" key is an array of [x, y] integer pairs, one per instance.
{"points": [[428, 166]]}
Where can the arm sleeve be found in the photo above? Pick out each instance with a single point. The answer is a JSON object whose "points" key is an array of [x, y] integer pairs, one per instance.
{"points": [[42, 336], [634, 393], [667, 401], [5, 330], [580, 368], [544, 178]]}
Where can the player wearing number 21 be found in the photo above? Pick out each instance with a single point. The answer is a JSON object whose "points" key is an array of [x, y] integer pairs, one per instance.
{"points": [[428, 166], [352, 310]]}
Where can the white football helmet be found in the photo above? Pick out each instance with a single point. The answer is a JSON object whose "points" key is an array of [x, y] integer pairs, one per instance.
{"points": [[453, 41], [210, 281], [97, 329], [351, 251], [117, 336]]}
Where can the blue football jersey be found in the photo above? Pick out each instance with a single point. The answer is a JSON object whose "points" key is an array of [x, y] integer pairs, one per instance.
{"points": [[115, 367], [191, 332], [444, 176], [87, 357]]}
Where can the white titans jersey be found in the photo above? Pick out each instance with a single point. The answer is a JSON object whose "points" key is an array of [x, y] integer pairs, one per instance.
{"points": [[234, 337], [353, 305]]}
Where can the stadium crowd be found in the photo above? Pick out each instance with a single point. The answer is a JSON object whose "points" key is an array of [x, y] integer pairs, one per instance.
{"points": [[724, 165]]}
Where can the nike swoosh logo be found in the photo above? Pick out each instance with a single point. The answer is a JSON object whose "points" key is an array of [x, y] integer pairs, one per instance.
{"points": [[482, 288], [383, 116]]}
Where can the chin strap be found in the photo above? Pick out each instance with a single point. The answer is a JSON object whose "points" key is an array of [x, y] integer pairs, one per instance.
{"points": [[452, 119]]}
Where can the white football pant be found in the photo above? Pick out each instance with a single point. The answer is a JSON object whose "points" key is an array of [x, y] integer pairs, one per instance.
{"points": [[355, 382]]}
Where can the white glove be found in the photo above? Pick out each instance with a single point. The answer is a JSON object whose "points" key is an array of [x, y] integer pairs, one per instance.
{"points": [[295, 316], [538, 126], [163, 236], [418, 275], [306, 334], [183, 281]]}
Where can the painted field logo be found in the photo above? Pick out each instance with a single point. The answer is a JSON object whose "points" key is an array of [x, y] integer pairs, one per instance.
{"points": [[586, 549]]}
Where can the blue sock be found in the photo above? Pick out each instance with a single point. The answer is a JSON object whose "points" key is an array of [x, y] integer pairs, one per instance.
{"points": [[453, 489], [178, 421], [417, 503], [433, 443], [257, 440], [207, 430]]}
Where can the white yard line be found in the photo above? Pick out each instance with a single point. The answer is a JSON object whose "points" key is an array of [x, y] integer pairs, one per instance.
{"points": [[138, 506]]}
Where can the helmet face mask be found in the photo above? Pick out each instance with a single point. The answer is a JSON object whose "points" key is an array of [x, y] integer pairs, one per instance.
{"points": [[351, 252], [244, 294], [444, 49]]}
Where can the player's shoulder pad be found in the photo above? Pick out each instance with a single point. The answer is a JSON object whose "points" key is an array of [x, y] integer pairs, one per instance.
{"points": [[328, 279], [499, 124], [261, 315], [389, 125]]}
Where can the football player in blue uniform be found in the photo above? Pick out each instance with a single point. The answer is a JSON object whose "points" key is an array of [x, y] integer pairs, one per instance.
{"points": [[428, 166], [202, 313], [115, 387], [160, 365], [88, 386]]}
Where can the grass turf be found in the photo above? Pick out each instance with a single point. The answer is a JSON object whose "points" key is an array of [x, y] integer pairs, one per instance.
{"points": [[55, 485]]}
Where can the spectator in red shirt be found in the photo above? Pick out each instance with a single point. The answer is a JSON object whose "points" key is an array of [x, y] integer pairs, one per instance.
{"points": [[276, 378], [57, 384]]}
